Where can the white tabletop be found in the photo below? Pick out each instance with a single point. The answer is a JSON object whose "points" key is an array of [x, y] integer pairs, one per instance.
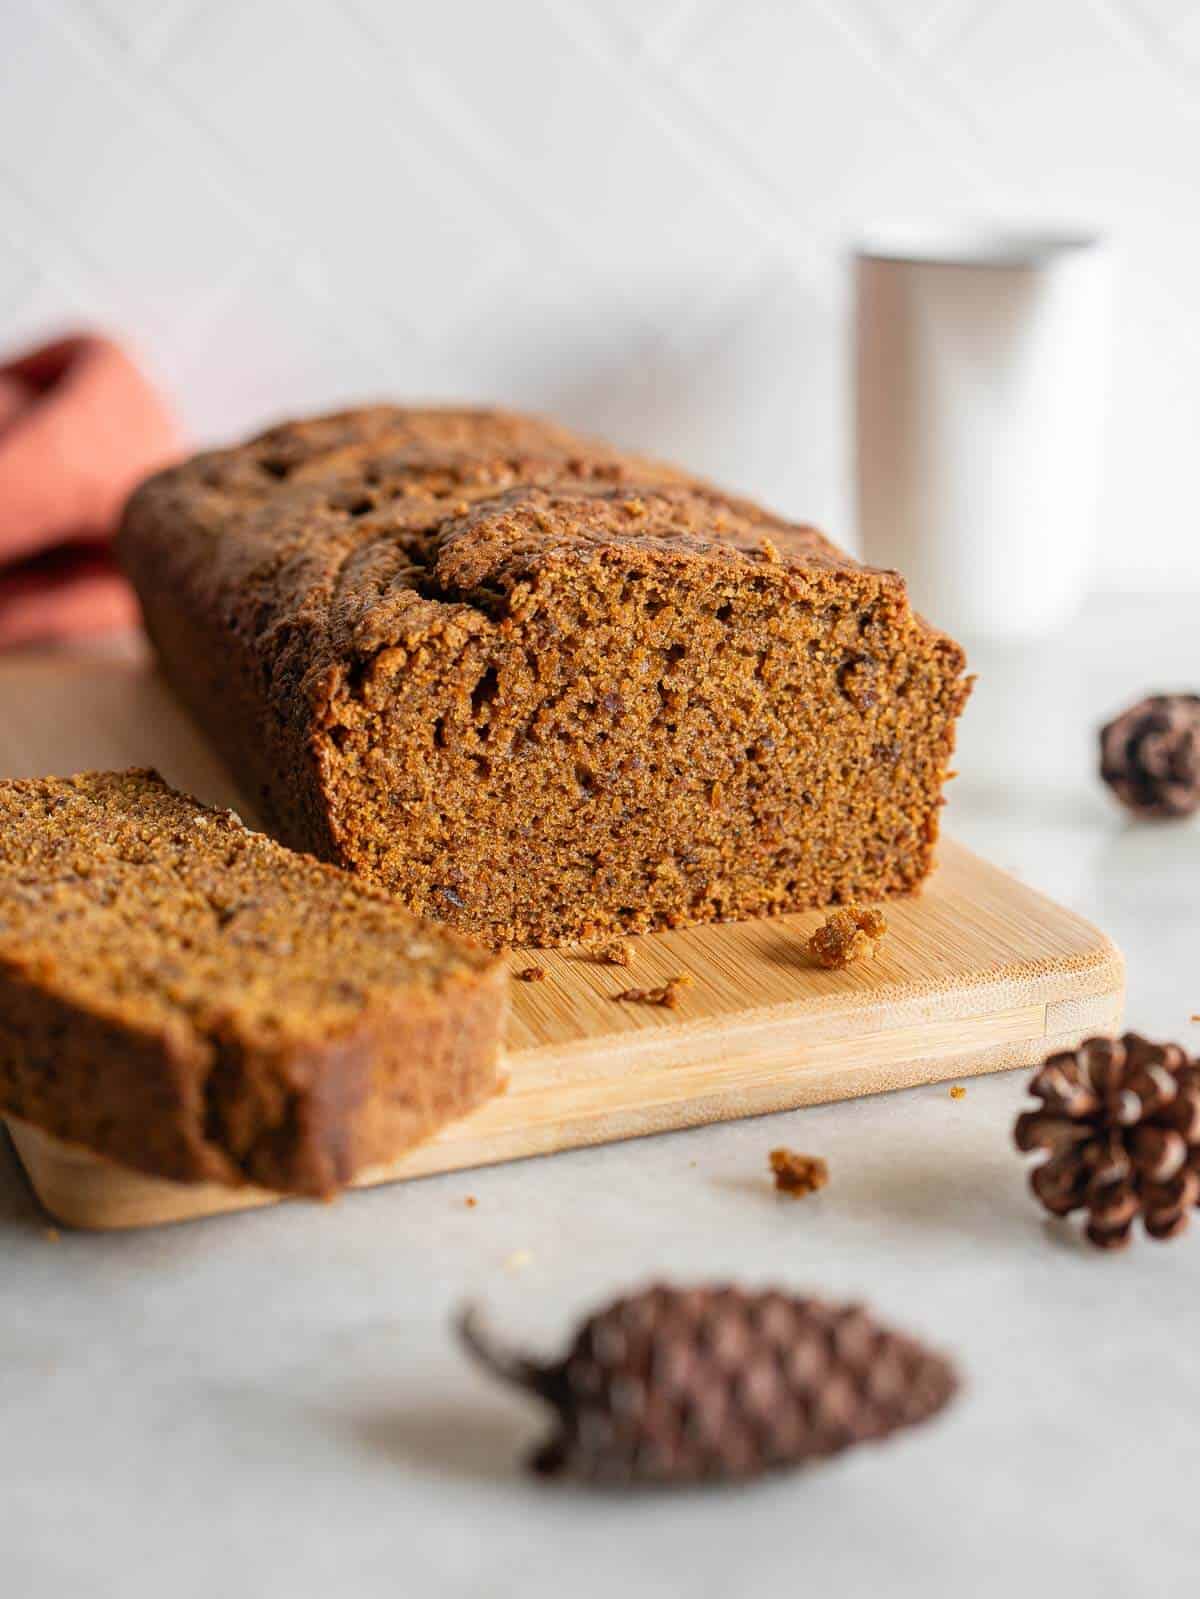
{"points": [[272, 1404]]}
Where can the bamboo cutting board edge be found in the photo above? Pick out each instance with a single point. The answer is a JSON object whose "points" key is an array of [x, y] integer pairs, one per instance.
{"points": [[80, 1190], [785, 1072]]}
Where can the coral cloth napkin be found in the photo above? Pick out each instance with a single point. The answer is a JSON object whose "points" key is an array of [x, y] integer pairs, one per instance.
{"points": [[79, 428]]}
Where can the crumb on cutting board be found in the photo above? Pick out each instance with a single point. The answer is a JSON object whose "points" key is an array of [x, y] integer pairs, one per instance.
{"points": [[849, 934], [665, 994], [798, 1175], [532, 974], [958, 1092], [614, 952]]}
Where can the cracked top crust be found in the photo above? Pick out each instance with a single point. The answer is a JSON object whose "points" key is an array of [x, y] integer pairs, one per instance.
{"points": [[329, 540]]}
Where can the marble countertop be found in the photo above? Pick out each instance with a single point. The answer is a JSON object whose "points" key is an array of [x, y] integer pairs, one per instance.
{"points": [[272, 1404]]}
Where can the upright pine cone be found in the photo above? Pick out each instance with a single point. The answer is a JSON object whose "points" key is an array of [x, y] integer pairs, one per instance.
{"points": [[683, 1385], [1150, 756], [1121, 1120]]}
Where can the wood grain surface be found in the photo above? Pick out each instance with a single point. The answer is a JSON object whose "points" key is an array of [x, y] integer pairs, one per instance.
{"points": [[978, 973]]}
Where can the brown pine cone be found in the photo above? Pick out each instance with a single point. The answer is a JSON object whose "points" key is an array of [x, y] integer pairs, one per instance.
{"points": [[1120, 1118], [684, 1385], [1150, 756]]}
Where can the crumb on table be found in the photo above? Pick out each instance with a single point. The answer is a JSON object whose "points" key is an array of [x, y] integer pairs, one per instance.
{"points": [[798, 1175], [532, 974], [846, 935], [470, 1201], [665, 994], [958, 1092]]}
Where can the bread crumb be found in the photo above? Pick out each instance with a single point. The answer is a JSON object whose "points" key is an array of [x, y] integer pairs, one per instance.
{"points": [[518, 1260], [666, 994], [470, 1201], [798, 1175], [616, 952], [51, 1235], [770, 551], [958, 1092], [847, 935], [531, 974]]}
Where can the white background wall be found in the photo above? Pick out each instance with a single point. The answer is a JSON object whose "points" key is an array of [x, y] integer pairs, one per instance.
{"points": [[631, 212]]}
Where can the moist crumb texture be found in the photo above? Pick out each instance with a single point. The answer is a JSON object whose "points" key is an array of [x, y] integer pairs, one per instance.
{"points": [[847, 935], [540, 688], [187, 997]]}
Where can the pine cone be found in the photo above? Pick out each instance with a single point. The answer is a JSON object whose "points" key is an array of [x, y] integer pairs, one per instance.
{"points": [[1121, 1120], [682, 1385], [1150, 756]]}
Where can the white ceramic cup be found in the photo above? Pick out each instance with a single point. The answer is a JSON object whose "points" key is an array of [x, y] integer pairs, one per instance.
{"points": [[982, 366]]}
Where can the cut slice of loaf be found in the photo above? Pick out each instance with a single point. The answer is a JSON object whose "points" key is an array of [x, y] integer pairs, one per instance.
{"points": [[539, 688], [187, 997]]}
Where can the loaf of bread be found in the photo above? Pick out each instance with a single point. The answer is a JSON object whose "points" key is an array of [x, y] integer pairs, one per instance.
{"points": [[189, 998], [537, 687]]}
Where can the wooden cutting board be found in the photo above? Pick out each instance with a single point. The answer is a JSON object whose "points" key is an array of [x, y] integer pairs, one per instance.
{"points": [[977, 974]]}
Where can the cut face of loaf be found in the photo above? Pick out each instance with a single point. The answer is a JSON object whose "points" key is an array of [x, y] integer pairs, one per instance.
{"points": [[549, 692], [189, 998]]}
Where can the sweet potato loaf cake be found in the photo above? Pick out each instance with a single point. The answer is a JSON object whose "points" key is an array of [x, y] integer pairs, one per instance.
{"points": [[190, 998], [540, 688]]}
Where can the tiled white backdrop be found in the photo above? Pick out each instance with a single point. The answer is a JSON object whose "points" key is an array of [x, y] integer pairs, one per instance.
{"points": [[634, 213]]}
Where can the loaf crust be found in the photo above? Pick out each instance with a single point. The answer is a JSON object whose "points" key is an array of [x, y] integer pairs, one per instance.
{"points": [[189, 998], [540, 688]]}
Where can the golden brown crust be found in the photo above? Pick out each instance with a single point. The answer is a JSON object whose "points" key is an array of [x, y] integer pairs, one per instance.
{"points": [[541, 688], [187, 997]]}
